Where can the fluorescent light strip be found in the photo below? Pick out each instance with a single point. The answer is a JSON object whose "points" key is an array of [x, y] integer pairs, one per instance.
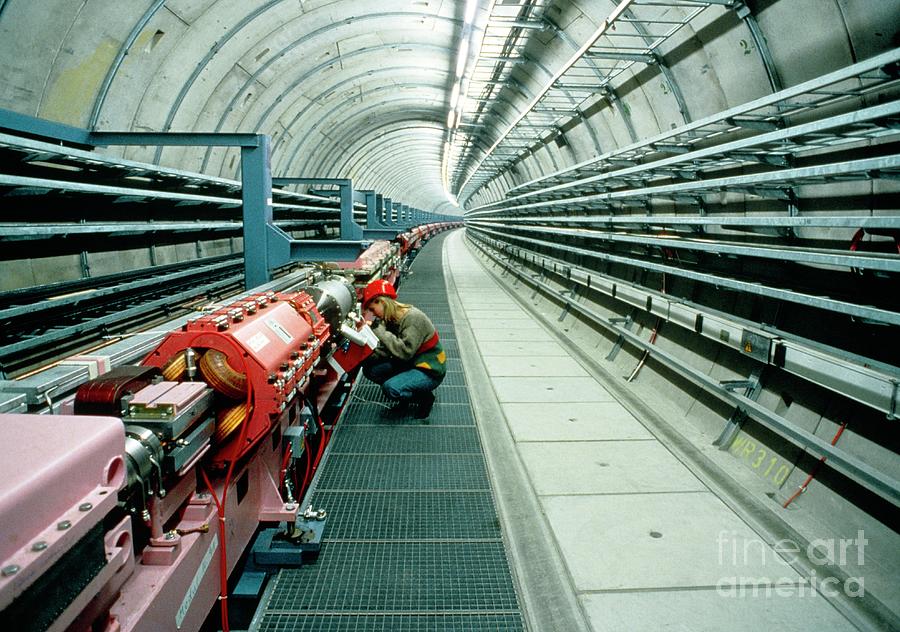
{"points": [[469, 15], [454, 116], [604, 26]]}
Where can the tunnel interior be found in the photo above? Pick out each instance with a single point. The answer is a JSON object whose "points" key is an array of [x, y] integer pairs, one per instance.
{"points": [[700, 196]]}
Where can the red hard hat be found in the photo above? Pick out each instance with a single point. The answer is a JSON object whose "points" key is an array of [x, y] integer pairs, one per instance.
{"points": [[376, 288]]}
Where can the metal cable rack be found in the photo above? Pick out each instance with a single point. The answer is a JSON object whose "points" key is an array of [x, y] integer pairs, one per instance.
{"points": [[844, 89], [35, 331], [783, 148], [801, 352], [632, 34], [789, 292], [790, 197], [502, 47], [54, 165], [65, 201]]}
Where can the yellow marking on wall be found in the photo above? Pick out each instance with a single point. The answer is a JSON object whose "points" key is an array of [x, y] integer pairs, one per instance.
{"points": [[749, 449], [766, 464], [70, 98]]}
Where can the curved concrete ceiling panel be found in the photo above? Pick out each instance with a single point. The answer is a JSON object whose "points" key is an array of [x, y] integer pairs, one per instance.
{"points": [[378, 91], [333, 117], [350, 161]]}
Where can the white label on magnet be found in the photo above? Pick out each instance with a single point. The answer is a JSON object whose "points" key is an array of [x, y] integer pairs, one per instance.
{"points": [[257, 341], [280, 331]]}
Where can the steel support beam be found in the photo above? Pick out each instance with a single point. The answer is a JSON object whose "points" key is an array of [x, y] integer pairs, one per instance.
{"points": [[347, 248], [379, 210], [180, 139], [256, 195], [350, 230], [642, 58], [375, 228], [33, 126]]}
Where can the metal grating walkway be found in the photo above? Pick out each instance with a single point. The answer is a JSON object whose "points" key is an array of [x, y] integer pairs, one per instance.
{"points": [[413, 541]]}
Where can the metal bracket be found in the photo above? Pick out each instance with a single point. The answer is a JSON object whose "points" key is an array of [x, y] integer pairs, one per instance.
{"points": [[283, 249], [626, 324], [573, 293], [734, 385], [270, 552], [539, 278], [349, 228], [744, 13], [752, 387], [793, 210], [375, 226], [389, 207], [892, 413]]}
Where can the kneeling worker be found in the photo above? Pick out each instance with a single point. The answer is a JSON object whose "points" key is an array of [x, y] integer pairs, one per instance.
{"points": [[409, 362]]}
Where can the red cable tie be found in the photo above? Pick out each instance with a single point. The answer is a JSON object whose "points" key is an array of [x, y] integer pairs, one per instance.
{"points": [[814, 469]]}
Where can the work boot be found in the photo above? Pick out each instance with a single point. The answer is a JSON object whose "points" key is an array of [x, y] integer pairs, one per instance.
{"points": [[425, 402], [399, 409]]}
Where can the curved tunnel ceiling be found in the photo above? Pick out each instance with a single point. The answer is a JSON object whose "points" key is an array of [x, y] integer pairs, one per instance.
{"points": [[425, 100]]}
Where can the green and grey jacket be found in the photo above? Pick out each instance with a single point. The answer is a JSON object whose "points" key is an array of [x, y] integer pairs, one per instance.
{"points": [[415, 340]]}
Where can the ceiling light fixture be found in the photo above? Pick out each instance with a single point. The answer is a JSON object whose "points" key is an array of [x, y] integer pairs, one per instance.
{"points": [[454, 115], [454, 95], [600, 31]]}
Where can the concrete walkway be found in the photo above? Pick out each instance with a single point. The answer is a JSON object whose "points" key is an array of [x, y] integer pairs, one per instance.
{"points": [[638, 542]]}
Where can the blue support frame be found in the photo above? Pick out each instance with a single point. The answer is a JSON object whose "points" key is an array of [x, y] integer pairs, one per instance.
{"points": [[389, 213], [350, 230], [346, 248], [265, 245], [374, 226], [379, 210], [256, 198], [42, 128]]}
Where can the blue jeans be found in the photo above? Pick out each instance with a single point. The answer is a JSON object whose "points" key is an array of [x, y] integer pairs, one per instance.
{"points": [[398, 381]]}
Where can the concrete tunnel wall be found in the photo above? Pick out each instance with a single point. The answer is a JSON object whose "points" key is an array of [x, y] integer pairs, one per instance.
{"points": [[324, 78], [359, 89]]}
